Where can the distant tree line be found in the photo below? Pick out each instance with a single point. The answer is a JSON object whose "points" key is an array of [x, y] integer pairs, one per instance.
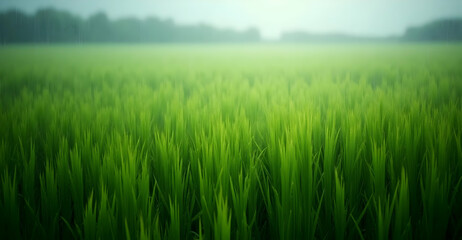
{"points": [[330, 38], [441, 30], [54, 26]]}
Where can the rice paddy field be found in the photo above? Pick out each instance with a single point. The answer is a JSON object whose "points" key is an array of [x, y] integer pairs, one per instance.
{"points": [[231, 141]]}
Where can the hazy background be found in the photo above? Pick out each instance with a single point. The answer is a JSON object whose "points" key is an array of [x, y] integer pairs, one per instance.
{"points": [[272, 17]]}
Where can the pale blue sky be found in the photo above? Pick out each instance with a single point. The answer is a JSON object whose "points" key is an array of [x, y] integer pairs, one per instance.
{"points": [[360, 17]]}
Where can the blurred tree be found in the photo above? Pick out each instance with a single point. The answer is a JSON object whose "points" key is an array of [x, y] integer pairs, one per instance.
{"points": [[50, 25], [97, 28], [442, 30]]}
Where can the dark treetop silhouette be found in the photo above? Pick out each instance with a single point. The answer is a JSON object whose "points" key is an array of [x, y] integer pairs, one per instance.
{"points": [[54, 26], [50, 25]]}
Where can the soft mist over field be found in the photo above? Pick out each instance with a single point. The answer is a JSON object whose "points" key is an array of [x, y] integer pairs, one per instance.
{"points": [[230, 119], [376, 18]]}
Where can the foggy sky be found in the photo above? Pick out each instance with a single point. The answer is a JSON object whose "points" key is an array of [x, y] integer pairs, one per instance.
{"points": [[271, 17]]}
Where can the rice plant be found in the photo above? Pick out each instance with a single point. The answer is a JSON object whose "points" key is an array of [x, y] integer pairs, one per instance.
{"points": [[231, 142]]}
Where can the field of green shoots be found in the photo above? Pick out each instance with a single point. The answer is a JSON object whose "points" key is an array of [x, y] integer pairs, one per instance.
{"points": [[231, 142]]}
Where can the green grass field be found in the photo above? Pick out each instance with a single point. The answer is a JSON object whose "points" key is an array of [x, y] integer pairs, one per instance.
{"points": [[231, 142]]}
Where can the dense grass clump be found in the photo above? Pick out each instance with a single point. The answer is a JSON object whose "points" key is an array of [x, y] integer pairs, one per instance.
{"points": [[231, 142]]}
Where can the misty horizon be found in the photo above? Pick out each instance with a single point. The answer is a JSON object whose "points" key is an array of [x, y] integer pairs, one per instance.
{"points": [[55, 25], [272, 18]]}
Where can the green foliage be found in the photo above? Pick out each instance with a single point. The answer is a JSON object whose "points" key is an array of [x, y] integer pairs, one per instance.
{"points": [[231, 142], [49, 25]]}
